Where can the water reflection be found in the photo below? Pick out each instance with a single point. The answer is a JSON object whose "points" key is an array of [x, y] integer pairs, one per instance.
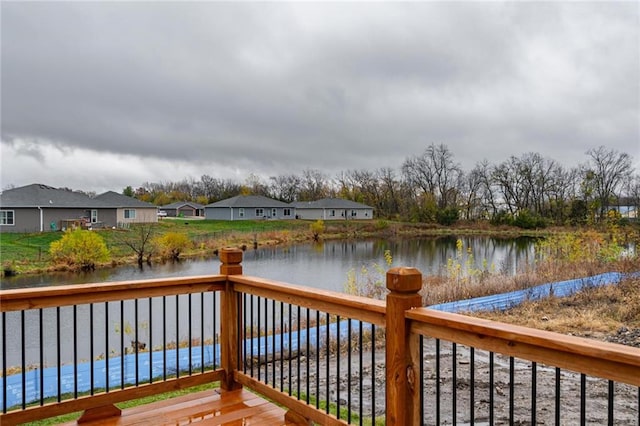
{"points": [[323, 265]]}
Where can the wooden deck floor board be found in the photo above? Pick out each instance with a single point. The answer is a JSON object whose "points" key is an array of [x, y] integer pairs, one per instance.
{"points": [[211, 407]]}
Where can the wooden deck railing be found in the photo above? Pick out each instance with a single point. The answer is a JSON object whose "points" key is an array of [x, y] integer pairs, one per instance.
{"points": [[274, 337]]}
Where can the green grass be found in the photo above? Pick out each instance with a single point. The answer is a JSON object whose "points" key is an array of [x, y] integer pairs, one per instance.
{"points": [[344, 412], [29, 252]]}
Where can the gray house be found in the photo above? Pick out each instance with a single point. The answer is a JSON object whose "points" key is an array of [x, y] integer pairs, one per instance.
{"points": [[249, 207], [129, 209], [332, 209], [38, 208], [183, 208]]}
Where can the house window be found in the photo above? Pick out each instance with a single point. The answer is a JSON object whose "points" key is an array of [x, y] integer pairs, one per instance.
{"points": [[286, 212], [259, 212], [129, 213], [274, 212], [7, 217], [332, 213], [354, 213], [94, 216], [240, 212]]}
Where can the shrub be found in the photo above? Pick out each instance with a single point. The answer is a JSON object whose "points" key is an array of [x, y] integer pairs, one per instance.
{"points": [[447, 216], [502, 218], [527, 220], [317, 228], [172, 244], [79, 248]]}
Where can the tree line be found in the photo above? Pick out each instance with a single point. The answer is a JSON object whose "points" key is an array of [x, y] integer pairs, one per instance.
{"points": [[530, 190]]}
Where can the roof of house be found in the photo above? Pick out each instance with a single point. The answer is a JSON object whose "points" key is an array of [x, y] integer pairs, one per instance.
{"points": [[329, 203], [113, 199], [248, 201], [38, 195], [180, 204]]}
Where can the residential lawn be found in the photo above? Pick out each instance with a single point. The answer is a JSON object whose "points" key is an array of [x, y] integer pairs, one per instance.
{"points": [[24, 253]]}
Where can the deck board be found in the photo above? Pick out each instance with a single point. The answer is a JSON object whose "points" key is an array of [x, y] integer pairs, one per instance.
{"points": [[210, 407]]}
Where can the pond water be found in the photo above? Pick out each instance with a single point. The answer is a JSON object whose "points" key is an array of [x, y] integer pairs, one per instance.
{"points": [[325, 265]]}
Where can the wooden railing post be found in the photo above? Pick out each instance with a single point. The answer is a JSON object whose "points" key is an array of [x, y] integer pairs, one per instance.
{"points": [[402, 387], [231, 259]]}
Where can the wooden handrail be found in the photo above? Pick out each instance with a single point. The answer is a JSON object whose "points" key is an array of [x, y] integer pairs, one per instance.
{"points": [[600, 359], [355, 307], [68, 295]]}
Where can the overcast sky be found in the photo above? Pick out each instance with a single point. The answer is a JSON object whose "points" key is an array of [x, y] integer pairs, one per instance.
{"points": [[100, 95]]}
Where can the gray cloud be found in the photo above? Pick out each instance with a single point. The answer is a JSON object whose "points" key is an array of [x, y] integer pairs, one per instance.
{"points": [[275, 88]]}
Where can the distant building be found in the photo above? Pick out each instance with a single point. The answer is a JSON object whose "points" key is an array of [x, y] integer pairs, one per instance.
{"points": [[248, 207], [183, 209], [332, 209], [38, 208]]}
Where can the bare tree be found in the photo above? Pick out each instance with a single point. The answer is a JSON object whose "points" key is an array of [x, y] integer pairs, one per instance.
{"points": [[285, 187], [609, 170], [435, 172], [314, 185], [138, 239]]}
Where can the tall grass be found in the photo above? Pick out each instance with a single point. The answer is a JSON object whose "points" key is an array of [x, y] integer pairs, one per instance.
{"points": [[558, 257]]}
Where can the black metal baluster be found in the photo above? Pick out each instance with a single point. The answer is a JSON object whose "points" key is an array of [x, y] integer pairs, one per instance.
{"points": [[150, 340], [266, 340], [41, 325], [4, 360], [258, 303], [298, 381], [454, 381], [23, 360], [610, 403], [282, 330], [328, 344], [338, 366], [308, 354], [349, 370], [360, 373], [177, 336], [91, 353], [122, 347], [438, 382], [164, 338], [422, 380], [511, 389], [583, 399], [534, 391], [106, 346], [491, 385], [472, 384], [317, 359], [251, 327], [373, 373], [557, 396], [190, 344], [273, 339], [75, 351], [290, 322], [137, 340], [59, 356]]}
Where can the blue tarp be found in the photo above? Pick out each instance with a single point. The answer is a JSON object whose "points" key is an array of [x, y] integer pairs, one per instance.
{"points": [[508, 300]]}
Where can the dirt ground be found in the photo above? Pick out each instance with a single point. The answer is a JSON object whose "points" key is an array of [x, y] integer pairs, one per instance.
{"points": [[527, 399]]}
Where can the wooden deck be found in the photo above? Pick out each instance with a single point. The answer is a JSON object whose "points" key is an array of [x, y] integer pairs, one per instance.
{"points": [[211, 407]]}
